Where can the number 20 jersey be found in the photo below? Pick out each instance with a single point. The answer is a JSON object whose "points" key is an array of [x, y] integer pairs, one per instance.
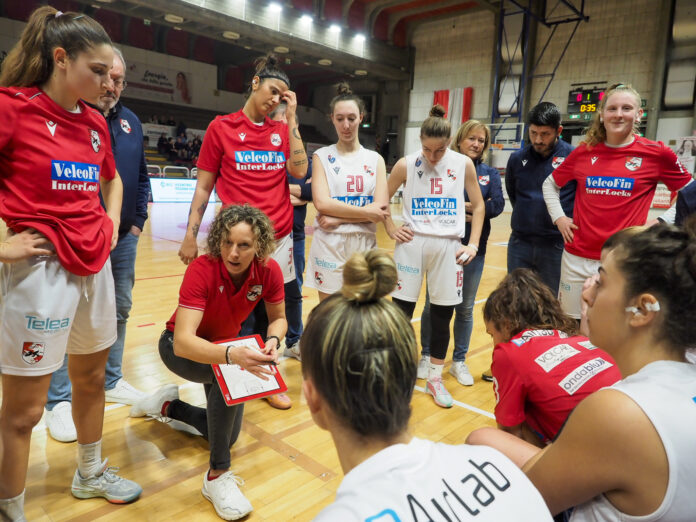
{"points": [[433, 196], [352, 180]]}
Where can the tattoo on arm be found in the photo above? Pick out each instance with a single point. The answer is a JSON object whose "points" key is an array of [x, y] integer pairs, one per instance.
{"points": [[298, 151], [201, 209], [299, 163], [194, 229], [296, 133]]}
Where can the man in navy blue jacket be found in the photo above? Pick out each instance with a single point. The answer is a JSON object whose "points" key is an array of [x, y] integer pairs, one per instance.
{"points": [[127, 145], [535, 242], [300, 194]]}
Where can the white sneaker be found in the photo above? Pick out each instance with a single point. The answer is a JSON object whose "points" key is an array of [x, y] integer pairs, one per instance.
{"points": [[60, 422], [152, 404], [461, 371], [423, 366], [292, 351], [227, 499], [124, 393]]}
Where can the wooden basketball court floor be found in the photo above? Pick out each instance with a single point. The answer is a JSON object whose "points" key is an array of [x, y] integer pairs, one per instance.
{"points": [[290, 467]]}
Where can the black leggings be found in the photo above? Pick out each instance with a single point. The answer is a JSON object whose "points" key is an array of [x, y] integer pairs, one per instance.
{"points": [[220, 424], [440, 318]]}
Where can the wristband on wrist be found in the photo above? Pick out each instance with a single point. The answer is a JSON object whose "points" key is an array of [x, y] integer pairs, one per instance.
{"points": [[471, 245], [273, 337], [227, 354]]}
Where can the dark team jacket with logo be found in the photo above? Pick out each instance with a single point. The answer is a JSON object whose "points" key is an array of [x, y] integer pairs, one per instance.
{"points": [[127, 144], [300, 211], [51, 161], [615, 187], [525, 173], [208, 287], [492, 192]]}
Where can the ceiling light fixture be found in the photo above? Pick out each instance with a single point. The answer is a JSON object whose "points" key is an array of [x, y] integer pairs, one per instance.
{"points": [[173, 19], [306, 19], [324, 61], [275, 7], [334, 28], [360, 72], [281, 49], [231, 35], [360, 37]]}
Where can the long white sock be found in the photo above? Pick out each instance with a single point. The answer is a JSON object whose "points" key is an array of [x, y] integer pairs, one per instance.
{"points": [[89, 461], [12, 508], [435, 370]]}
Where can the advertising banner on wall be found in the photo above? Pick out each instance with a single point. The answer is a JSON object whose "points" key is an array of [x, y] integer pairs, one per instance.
{"points": [[175, 190], [158, 84]]}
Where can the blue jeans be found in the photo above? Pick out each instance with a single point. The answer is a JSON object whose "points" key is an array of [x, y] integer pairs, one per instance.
{"points": [[542, 257], [123, 268], [464, 312], [293, 295]]}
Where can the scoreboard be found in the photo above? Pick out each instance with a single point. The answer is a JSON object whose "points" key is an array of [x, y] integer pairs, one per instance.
{"points": [[584, 101]]}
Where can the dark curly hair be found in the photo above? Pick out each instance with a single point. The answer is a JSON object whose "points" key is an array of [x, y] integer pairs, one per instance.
{"points": [[661, 261], [522, 301]]}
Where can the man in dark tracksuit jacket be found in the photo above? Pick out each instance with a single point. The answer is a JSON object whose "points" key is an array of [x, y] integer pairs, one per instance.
{"points": [[535, 242], [300, 194], [127, 146]]}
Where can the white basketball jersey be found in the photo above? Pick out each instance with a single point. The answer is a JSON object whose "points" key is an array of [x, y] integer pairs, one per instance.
{"points": [[433, 197], [352, 180]]}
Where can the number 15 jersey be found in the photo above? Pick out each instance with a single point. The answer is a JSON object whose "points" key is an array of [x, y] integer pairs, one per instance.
{"points": [[433, 196]]}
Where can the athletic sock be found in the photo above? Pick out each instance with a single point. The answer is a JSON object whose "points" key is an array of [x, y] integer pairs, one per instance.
{"points": [[12, 508], [435, 370], [89, 461]]}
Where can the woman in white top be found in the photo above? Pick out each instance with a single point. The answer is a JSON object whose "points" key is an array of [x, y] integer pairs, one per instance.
{"points": [[628, 452], [349, 190], [359, 365], [429, 241]]}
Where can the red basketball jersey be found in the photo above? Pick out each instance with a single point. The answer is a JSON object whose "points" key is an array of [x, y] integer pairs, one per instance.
{"points": [[541, 375], [249, 162], [51, 161], [615, 188]]}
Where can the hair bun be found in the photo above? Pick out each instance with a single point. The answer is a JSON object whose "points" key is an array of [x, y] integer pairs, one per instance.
{"points": [[343, 89], [368, 276], [438, 111]]}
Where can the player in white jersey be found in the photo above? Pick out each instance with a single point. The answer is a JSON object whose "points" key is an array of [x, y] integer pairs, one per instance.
{"points": [[627, 452], [359, 368], [349, 190], [428, 243]]}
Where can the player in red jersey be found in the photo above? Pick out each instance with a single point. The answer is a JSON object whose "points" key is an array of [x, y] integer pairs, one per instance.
{"points": [[617, 172], [244, 156], [219, 291], [626, 451], [541, 370], [58, 291]]}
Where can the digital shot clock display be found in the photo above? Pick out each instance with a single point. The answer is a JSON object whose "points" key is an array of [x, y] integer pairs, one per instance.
{"points": [[583, 101]]}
